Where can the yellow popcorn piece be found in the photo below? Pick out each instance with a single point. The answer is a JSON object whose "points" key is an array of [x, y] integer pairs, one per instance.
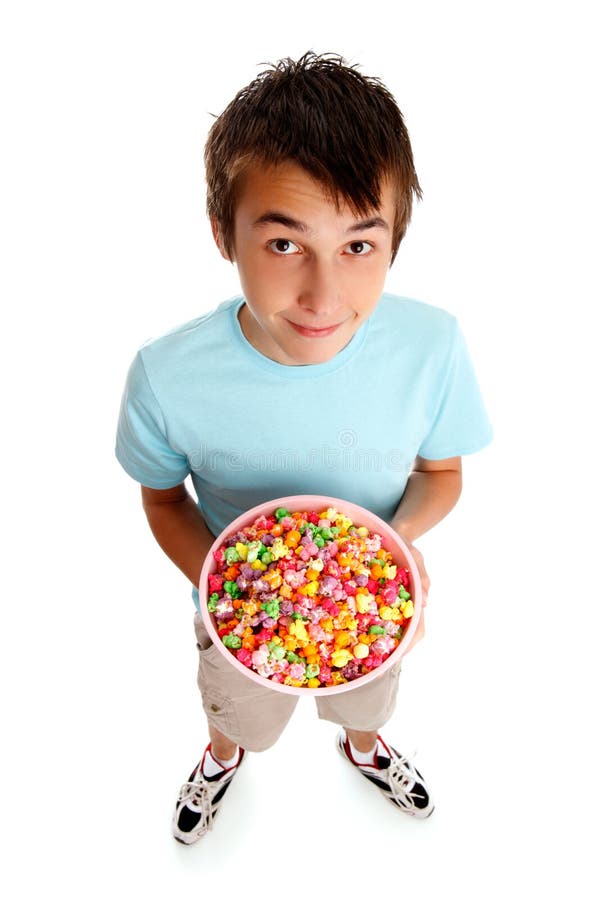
{"points": [[363, 602], [310, 589], [242, 550], [313, 682], [407, 609], [386, 612], [278, 549], [389, 571], [298, 630], [361, 651], [339, 658], [257, 564], [363, 531]]}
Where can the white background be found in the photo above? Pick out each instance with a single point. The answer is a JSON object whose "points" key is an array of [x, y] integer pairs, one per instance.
{"points": [[105, 110]]}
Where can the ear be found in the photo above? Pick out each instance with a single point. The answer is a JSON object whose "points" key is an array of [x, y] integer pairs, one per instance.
{"points": [[218, 236]]}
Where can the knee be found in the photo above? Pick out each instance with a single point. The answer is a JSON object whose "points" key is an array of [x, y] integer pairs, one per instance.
{"points": [[260, 743]]}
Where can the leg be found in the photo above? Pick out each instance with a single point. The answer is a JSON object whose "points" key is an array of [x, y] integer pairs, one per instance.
{"points": [[362, 740], [221, 745]]}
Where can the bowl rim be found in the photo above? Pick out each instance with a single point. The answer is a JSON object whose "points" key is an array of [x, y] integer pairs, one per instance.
{"points": [[345, 507]]}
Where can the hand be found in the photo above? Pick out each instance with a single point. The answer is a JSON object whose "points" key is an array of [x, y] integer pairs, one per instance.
{"points": [[425, 583]]}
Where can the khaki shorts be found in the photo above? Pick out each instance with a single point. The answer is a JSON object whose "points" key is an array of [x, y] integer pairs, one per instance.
{"points": [[254, 716]]}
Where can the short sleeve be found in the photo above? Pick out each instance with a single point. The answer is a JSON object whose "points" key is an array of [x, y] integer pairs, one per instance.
{"points": [[142, 445], [461, 424]]}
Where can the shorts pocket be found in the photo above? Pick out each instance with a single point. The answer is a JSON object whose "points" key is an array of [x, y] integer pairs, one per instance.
{"points": [[206, 647]]}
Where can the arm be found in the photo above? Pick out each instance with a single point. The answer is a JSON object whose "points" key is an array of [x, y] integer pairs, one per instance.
{"points": [[178, 526], [432, 490]]}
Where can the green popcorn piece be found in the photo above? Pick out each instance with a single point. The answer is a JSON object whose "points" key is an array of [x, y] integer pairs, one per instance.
{"points": [[254, 548], [232, 641], [403, 593], [278, 652], [327, 533], [376, 629], [266, 557], [231, 555], [319, 541], [312, 670], [232, 589], [212, 602], [271, 607], [281, 512]]}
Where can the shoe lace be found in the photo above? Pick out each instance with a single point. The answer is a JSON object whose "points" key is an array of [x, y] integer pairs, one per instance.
{"points": [[198, 793], [402, 777]]}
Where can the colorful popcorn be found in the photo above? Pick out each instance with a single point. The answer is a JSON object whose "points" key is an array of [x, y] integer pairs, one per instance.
{"points": [[308, 599]]}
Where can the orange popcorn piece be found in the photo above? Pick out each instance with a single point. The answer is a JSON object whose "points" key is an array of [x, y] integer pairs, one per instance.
{"points": [[344, 560], [292, 538], [273, 579], [342, 638]]}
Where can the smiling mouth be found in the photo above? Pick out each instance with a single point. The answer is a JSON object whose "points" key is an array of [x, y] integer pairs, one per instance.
{"points": [[314, 332]]}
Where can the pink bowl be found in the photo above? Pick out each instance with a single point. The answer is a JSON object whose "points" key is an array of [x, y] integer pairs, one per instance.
{"points": [[360, 516]]}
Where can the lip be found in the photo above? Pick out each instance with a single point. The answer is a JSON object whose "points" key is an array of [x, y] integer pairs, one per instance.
{"points": [[314, 332]]}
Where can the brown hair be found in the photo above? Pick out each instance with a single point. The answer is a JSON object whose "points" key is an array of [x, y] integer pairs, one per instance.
{"points": [[342, 127]]}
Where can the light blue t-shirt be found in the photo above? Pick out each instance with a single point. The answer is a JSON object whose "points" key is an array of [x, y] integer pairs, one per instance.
{"points": [[202, 401]]}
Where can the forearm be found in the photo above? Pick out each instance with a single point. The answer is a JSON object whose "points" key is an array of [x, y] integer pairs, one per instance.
{"points": [[427, 499], [182, 533]]}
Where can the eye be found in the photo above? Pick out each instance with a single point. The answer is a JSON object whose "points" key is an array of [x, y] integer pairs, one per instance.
{"points": [[360, 248], [283, 247]]}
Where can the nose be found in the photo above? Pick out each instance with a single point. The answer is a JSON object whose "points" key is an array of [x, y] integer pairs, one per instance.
{"points": [[320, 292]]}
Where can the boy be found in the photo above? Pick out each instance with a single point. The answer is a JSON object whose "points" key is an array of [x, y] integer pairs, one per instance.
{"points": [[312, 381]]}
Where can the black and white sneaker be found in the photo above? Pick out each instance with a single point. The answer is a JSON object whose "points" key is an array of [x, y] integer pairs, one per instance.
{"points": [[394, 775], [200, 798]]}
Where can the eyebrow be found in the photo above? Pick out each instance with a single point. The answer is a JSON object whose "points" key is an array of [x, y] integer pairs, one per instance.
{"points": [[278, 218]]}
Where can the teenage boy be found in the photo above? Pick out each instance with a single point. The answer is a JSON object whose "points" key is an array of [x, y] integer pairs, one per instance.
{"points": [[311, 381]]}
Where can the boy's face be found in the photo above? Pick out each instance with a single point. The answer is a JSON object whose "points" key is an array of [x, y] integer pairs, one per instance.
{"points": [[310, 275]]}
